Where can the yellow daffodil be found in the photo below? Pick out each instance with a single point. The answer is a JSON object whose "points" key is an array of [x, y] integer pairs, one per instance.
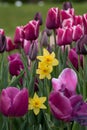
{"points": [[48, 58], [36, 103], [44, 71]]}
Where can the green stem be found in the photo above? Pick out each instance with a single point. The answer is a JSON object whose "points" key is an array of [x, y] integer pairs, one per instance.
{"points": [[68, 126], [55, 40]]}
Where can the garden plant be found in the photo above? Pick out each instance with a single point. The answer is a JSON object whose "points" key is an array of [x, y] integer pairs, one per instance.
{"points": [[43, 74]]}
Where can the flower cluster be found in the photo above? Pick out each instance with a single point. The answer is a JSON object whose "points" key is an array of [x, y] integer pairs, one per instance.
{"points": [[43, 75]]}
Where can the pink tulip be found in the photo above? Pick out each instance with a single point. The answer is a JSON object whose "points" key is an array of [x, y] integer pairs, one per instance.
{"points": [[14, 102], [85, 23], [78, 19], [9, 45], [66, 80], [53, 18], [31, 30], [67, 23], [26, 46], [64, 36]]}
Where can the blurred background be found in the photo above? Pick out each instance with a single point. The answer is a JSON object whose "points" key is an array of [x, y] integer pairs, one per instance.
{"points": [[16, 13]]}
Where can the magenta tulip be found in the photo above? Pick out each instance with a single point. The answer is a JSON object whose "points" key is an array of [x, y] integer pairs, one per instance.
{"points": [[53, 18], [85, 23], [9, 45], [26, 46], [14, 102], [66, 80], [78, 19], [31, 30], [15, 64], [64, 36]]}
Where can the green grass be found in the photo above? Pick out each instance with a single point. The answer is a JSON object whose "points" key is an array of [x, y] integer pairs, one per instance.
{"points": [[12, 16]]}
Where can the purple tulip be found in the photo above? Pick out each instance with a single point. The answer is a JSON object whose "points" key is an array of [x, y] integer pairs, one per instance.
{"points": [[14, 102], [69, 13], [67, 5], [64, 36], [38, 17], [15, 64], [19, 36], [73, 57], [78, 19], [60, 106], [53, 18], [31, 30], [66, 80], [26, 46], [9, 45], [80, 45], [77, 32]]}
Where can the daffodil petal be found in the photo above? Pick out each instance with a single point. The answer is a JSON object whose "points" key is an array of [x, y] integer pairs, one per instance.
{"points": [[36, 111]]}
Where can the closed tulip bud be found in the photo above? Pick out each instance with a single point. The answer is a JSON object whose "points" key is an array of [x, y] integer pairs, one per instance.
{"points": [[64, 36], [78, 19], [33, 51], [18, 36], [31, 30], [2, 43], [14, 102], [77, 32], [26, 46], [53, 18], [67, 5], [73, 57], [81, 45], [85, 23], [15, 64], [9, 45], [44, 39], [38, 17]]}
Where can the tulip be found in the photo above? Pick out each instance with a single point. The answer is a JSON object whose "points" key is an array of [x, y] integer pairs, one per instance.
{"points": [[31, 30], [33, 50], [2, 31], [19, 36], [78, 19], [60, 106], [15, 64], [64, 36], [2, 43], [66, 80], [38, 17], [44, 39], [80, 45], [53, 18], [73, 57], [67, 5], [26, 46], [77, 32], [9, 45], [14, 102], [85, 23], [67, 23], [65, 14]]}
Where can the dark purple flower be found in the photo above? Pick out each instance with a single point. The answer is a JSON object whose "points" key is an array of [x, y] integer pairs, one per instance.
{"points": [[31, 30], [73, 57], [38, 17], [53, 18], [2, 43], [15, 64], [14, 102], [67, 5], [81, 45]]}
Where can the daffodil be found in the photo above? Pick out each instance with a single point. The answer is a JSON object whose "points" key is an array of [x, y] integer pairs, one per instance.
{"points": [[36, 103], [44, 70], [48, 58]]}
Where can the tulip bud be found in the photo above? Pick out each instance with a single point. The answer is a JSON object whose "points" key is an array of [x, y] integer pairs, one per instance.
{"points": [[9, 45], [33, 51], [31, 30], [2, 43], [64, 36], [44, 39], [77, 32], [67, 5], [38, 17], [53, 18], [81, 45]]}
